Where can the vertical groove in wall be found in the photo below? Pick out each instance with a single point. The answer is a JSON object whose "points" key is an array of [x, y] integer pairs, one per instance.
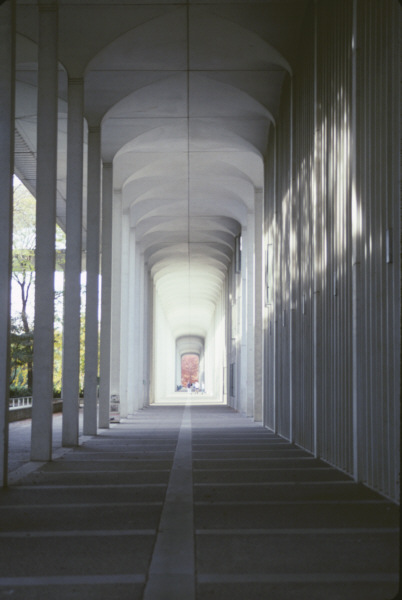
{"points": [[282, 287], [363, 442], [270, 328], [303, 157]]}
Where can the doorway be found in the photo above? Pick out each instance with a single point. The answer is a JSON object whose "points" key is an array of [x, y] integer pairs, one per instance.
{"points": [[190, 369]]}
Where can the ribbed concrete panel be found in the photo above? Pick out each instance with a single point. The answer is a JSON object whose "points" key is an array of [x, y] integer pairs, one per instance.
{"points": [[282, 269], [335, 105], [331, 332], [303, 149], [378, 150], [270, 325]]}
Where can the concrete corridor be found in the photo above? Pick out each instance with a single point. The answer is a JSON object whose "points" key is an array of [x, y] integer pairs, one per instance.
{"points": [[194, 501]]}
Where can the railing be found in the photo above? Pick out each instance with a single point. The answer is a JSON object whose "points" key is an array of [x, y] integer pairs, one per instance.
{"points": [[15, 403], [21, 408]]}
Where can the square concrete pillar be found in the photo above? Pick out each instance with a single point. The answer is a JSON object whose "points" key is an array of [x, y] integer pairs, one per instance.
{"points": [[7, 90], [42, 409]]}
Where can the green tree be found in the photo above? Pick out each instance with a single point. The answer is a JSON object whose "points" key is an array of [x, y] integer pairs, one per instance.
{"points": [[57, 361], [21, 357], [23, 276]]}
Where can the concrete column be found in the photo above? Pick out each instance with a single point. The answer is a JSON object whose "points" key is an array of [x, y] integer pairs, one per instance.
{"points": [[178, 366], [243, 350], [202, 367], [135, 341], [259, 304], [7, 92], [150, 397], [154, 361], [92, 300], [105, 340], [250, 314], [141, 333], [124, 309], [41, 441], [138, 330], [72, 285], [147, 311], [230, 336], [224, 347], [160, 351], [131, 322], [116, 294]]}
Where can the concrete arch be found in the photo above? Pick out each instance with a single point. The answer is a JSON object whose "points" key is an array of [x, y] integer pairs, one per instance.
{"points": [[164, 256], [136, 49], [222, 41]]}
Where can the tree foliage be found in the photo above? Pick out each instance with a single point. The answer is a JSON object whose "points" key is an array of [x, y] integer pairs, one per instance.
{"points": [[21, 357], [23, 276], [189, 368]]}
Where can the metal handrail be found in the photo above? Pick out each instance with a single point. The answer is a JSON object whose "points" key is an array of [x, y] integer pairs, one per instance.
{"points": [[15, 403]]}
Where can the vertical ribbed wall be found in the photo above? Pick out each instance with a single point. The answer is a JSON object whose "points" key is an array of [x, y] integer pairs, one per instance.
{"points": [[334, 106], [332, 331], [377, 190], [303, 164], [269, 416]]}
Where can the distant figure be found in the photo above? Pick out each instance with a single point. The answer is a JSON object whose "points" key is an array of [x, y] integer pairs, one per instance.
{"points": [[189, 387], [197, 387]]}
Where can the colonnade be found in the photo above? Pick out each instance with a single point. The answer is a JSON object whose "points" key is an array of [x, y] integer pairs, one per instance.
{"points": [[130, 310], [46, 183], [302, 336]]}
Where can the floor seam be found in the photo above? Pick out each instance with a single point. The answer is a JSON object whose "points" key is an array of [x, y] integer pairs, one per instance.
{"points": [[171, 572]]}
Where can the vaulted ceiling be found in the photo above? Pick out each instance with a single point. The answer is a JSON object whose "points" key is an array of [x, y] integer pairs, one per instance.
{"points": [[186, 94]]}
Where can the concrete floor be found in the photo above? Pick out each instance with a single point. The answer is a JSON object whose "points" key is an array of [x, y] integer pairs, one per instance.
{"points": [[185, 502]]}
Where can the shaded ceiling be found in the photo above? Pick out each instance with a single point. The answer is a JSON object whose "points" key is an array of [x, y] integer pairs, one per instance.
{"points": [[186, 94]]}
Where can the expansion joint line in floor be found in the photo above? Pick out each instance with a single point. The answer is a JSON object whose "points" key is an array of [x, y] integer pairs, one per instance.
{"points": [[171, 573]]}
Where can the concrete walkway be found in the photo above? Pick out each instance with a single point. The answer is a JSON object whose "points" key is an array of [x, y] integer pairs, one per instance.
{"points": [[193, 502]]}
